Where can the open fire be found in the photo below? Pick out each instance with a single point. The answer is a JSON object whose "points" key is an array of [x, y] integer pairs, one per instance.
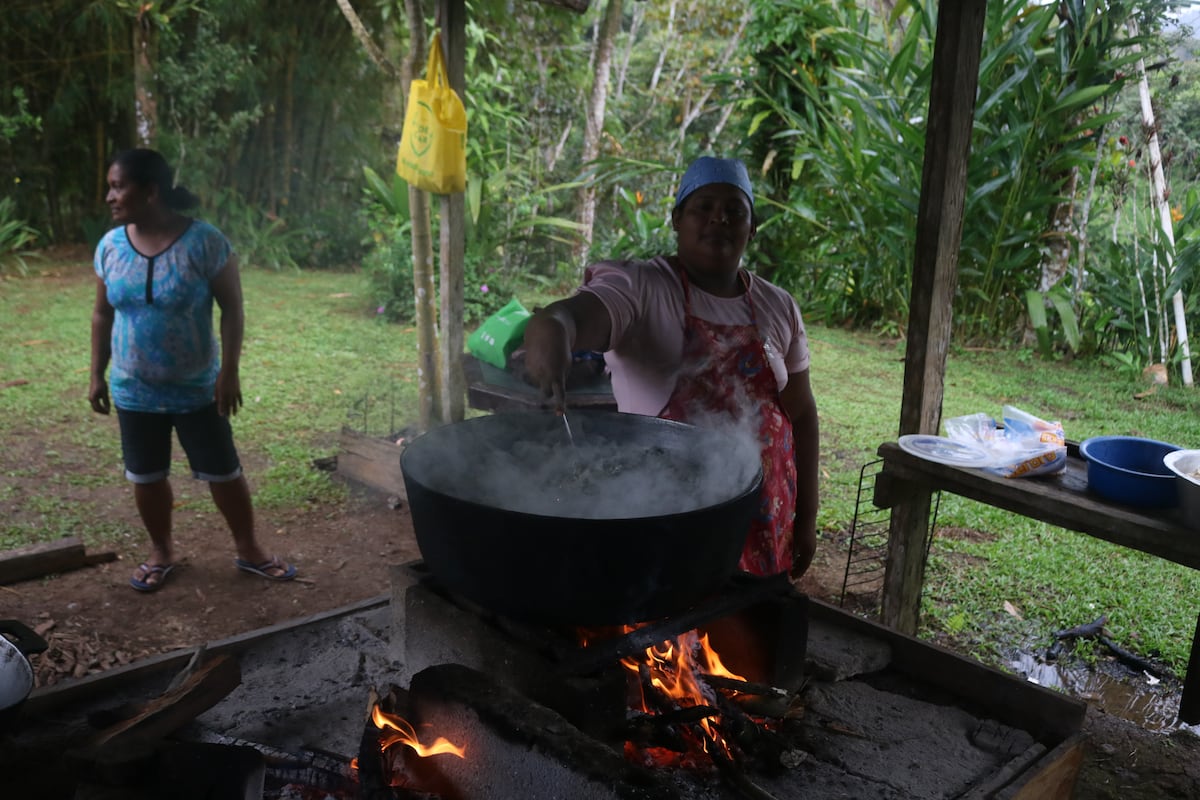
{"points": [[402, 733], [686, 711], [675, 681]]}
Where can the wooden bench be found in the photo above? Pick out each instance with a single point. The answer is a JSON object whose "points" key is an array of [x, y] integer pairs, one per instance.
{"points": [[1062, 500]]}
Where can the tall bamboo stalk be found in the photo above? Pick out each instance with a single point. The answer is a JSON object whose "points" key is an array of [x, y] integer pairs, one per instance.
{"points": [[1163, 207]]}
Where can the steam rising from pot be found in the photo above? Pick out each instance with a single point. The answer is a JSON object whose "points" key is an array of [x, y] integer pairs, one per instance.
{"points": [[530, 467]]}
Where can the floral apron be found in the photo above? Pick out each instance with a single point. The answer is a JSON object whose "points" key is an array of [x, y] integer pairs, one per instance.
{"points": [[725, 372]]}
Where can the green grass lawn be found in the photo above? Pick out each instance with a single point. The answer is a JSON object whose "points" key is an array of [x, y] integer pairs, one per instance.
{"points": [[317, 358]]}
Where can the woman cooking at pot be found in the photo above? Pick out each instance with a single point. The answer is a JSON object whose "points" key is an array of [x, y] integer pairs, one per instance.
{"points": [[696, 338]]}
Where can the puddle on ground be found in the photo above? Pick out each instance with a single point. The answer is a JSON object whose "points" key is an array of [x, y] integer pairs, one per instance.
{"points": [[1139, 699]]}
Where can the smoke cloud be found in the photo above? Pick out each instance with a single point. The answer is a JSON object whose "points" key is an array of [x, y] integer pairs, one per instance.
{"points": [[641, 468]]}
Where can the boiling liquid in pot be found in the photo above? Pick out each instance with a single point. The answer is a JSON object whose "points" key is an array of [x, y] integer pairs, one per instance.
{"points": [[598, 478]]}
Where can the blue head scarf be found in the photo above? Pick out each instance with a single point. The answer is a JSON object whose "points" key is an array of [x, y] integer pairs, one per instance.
{"points": [[707, 170]]}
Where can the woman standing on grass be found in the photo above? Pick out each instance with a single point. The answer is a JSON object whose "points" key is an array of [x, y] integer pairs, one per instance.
{"points": [[158, 273]]}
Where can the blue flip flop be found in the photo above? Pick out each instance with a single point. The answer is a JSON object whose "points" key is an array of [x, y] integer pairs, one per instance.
{"points": [[144, 585], [289, 570]]}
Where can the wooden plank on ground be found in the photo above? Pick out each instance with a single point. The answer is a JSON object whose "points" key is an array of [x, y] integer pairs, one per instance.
{"points": [[1055, 777], [372, 462], [42, 558]]}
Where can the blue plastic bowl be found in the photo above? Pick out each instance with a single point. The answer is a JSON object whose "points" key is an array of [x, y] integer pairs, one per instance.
{"points": [[1130, 470]]}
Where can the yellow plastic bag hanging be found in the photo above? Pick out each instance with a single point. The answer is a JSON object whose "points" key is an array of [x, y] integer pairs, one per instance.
{"points": [[433, 145]]}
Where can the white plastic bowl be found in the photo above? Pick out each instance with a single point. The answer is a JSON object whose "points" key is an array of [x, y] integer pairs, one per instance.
{"points": [[1186, 466]]}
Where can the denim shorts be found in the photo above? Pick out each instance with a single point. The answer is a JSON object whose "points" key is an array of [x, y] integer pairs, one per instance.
{"points": [[206, 438]]}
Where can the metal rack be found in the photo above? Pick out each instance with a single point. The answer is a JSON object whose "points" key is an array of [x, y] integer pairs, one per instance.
{"points": [[866, 556]]}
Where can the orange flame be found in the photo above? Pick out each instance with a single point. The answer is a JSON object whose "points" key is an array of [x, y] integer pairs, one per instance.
{"points": [[404, 734], [675, 669]]}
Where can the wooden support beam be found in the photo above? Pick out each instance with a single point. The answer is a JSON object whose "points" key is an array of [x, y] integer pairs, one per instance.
{"points": [[452, 246], [935, 264]]}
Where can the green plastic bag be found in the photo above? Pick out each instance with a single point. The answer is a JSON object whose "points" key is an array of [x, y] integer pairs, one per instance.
{"points": [[499, 335]]}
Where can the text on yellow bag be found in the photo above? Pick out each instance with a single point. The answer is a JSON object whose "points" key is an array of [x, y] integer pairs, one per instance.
{"points": [[433, 145]]}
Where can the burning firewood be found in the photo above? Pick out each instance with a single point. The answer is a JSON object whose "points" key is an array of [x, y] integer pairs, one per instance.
{"points": [[759, 699], [647, 730], [391, 756], [736, 778], [665, 729]]}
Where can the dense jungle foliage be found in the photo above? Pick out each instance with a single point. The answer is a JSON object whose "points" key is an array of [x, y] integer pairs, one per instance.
{"points": [[277, 117]]}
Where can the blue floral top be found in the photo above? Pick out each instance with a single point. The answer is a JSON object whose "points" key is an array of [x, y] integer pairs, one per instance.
{"points": [[165, 356]]}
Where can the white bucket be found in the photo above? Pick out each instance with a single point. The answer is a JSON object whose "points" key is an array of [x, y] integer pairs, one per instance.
{"points": [[1186, 466]]}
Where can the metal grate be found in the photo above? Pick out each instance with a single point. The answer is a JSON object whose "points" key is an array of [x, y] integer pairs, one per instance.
{"points": [[866, 557], [374, 413]]}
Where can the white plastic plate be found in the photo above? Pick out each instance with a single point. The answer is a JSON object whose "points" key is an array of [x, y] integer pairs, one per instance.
{"points": [[945, 451]]}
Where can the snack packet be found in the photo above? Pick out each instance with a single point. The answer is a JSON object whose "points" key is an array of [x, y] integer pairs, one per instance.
{"points": [[1023, 447]]}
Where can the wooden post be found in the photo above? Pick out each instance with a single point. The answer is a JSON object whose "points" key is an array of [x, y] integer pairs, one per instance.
{"points": [[453, 16], [935, 264]]}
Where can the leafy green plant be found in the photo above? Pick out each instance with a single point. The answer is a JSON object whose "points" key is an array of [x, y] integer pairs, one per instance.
{"points": [[95, 226], [391, 197], [1058, 298], [16, 239], [388, 269], [835, 127], [19, 118], [261, 239], [1126, 363], [640, 228], [328, 238]]}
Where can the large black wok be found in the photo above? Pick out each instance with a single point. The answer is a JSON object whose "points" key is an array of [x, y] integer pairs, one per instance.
{"points": [[16, 674], [600, 567]]}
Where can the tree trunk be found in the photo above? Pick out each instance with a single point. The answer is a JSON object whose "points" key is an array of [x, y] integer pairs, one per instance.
{"points": [[1085, 218], [1056, 260], [424, 286], [693, 108], [602, 61], [145, 74], [639, 11], [662, 51], [288, 137]]}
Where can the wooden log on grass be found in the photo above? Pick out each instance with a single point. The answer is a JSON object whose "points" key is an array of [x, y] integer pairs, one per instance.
{"points": [[47, 558]]}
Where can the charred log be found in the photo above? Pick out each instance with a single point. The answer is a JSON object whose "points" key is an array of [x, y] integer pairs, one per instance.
{"points": [[649, 730], [1095, 630], [737, 779], [758, 699]]}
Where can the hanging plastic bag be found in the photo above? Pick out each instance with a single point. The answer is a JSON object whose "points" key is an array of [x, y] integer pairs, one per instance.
{"points": [[433, 146], [1024, 447], [499, 335]]}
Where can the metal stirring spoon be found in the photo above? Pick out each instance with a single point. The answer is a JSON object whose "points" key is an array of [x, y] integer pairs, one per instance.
{"points": [[567, 425]]}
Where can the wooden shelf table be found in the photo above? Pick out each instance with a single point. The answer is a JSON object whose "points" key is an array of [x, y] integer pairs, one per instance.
{"points": [[1062, 500]]}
